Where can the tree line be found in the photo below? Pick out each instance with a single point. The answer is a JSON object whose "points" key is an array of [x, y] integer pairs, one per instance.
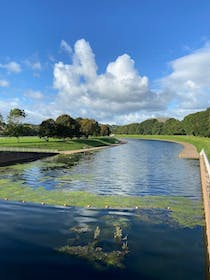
{"points": [[64, 126], [67, 127], [197, 124]]}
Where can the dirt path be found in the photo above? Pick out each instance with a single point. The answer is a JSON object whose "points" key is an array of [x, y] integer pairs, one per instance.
{"points": [[70, 152], [189, 151]]}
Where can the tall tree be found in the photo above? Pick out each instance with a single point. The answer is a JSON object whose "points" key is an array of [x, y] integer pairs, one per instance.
{"points": [[47, 128], [16, 116], [173, 127], [89, 127], [67, 126], [14, 122], [104, 130], [2, 125]]}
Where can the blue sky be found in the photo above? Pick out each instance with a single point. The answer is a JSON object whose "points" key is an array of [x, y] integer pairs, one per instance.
{"points": [[117, 61]]}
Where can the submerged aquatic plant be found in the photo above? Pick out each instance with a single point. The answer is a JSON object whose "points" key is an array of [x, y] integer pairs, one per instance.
{"points": [[96, 254], [125, 246], [80, 229], [118, 234], [97, 233]]}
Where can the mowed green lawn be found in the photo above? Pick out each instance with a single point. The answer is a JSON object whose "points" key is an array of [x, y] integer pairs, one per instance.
{"points": [[198, 142], [56, 144]]}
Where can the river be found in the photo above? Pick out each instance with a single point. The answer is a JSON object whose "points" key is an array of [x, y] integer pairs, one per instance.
{"points": [[55, 242]]}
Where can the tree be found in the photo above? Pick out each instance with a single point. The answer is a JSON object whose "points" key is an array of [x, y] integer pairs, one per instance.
{"points": [[173, 127], [2, 125], [104, 130], [1, 119], [89, 127], [16, 116], [198, 124], [14, 122], [67, 127], [47, 128], [147, 127]]}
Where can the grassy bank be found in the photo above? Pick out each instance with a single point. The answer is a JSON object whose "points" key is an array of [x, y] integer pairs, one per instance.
{"points": [[56, 144], [198, 142]]}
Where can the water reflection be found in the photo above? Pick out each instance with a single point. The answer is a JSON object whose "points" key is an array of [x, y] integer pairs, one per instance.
{"points": [[159, 246], [141, 167], [30, 236]]}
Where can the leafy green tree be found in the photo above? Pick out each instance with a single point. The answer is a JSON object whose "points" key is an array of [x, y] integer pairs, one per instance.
{"points": [[67, 127], [2, 125], [1, 119], [89, 127], [30, 130], [173, 127], [198, 124], [14, 122], [157, 128], [104, 130], [146, 127], [16, 116], [47, 129]]}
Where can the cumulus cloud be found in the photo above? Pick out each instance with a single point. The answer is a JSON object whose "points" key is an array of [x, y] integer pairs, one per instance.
{"points": [[65, 47], [188, 84], [11, 67], [119, 91], [7, 105], [120, 94], [34, 65], [4, 83], [34, 94]]}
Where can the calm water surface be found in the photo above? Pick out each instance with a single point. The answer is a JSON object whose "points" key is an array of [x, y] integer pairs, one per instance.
{"points": [[158, 247]]}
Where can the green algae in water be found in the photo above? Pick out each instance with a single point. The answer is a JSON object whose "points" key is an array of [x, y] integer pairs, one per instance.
{"points": [[74, 177], [53, 162], [96, 255], [186, 212]]}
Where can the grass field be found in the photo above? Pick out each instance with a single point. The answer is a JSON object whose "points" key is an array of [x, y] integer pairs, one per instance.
{"points": [[198, 142], [56, 144]]}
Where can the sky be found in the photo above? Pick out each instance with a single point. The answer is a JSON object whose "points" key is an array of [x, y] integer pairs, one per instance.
{"points": [[117, 61]]}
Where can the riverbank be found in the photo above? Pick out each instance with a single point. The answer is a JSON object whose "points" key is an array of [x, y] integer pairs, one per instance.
{"points": [[199, 142], [34, 142], [90, 149], [9, 158], [32, 148]]}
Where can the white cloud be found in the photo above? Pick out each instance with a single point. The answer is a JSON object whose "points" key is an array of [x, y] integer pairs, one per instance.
{"points": [[7, 105], [4, 83], [120, 94], [34, 94], [34, 64], [120, 91], [65, 47], [12, 67], [189, 82]]}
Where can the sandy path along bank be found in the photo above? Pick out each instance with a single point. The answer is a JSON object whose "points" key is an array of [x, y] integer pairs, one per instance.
{"points": [[189, 151], [70, 152]]}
